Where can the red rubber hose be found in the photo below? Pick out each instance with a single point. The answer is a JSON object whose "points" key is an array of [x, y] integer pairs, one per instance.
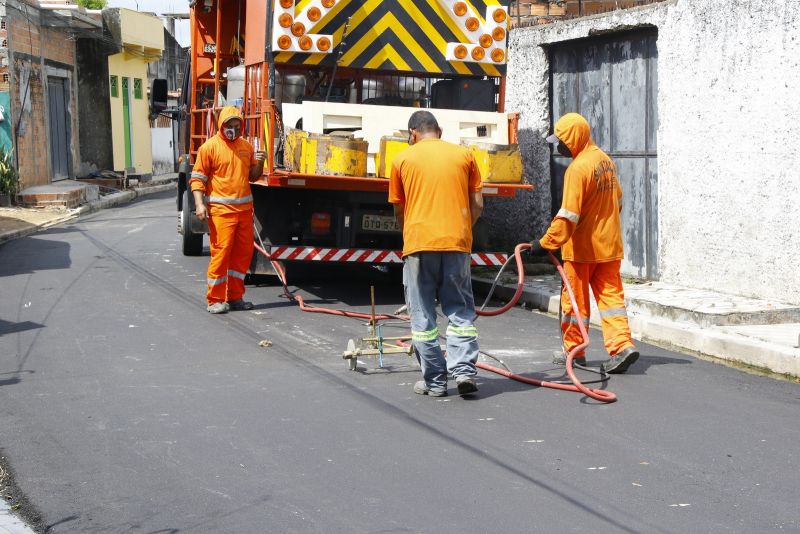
{"points": [[576, 386]]}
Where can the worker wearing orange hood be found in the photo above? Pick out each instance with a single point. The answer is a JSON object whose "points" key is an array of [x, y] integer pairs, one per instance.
{"points": [[220, 183], [587, 229]]}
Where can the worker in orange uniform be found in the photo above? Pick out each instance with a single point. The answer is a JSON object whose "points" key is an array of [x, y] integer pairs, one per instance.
{"points": [[587, 229], [220, 183], [435, 187]]}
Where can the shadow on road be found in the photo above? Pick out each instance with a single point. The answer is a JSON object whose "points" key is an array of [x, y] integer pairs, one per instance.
{"points": [[32, 254]]}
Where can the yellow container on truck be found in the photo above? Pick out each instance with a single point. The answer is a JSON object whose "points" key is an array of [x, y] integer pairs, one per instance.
{"points": [[497, 163], [391, 146]]}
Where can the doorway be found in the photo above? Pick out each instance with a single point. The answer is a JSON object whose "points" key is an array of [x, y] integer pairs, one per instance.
{"points": [[58, 102]]}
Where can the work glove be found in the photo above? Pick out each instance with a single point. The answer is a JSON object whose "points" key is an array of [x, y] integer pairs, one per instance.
{"points": [[537, 250]]}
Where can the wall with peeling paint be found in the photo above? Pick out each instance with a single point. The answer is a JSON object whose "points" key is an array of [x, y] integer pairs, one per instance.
{"points": [[729, 169]]}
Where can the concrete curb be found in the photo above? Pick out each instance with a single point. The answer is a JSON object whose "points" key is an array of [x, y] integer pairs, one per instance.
{"points": [[709, 341], [109, 201]]}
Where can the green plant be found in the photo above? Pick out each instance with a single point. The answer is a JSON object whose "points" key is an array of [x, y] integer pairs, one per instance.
{"points": [[93, 4], [9, 179]]}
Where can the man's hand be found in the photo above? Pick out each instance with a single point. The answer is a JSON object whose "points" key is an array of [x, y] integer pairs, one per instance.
{"points": [[258, 169], [537, 249], [201, 211]]}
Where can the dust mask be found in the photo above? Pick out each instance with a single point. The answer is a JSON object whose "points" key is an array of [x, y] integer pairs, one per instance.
{"points": [[230, 133]]}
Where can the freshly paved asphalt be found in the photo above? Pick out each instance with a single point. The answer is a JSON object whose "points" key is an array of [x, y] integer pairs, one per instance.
{"points": [[125, 407]]}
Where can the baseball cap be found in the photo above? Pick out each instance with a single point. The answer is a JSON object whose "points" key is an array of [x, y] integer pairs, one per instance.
{"points": [[552, 139]]}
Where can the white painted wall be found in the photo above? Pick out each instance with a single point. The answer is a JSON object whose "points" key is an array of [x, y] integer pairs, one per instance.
{"points": [[728, 162], [163, 155]]}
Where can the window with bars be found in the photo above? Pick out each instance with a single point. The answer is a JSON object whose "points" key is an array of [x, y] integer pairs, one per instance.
{"points": [[5, 78], [4, 44], [114, 86], [137, 88], [2, 24]]}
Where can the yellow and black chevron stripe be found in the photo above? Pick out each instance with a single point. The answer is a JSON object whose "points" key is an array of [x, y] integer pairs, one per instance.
{"points": [[394, 35]]}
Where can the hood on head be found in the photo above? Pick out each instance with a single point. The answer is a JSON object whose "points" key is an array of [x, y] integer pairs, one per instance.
{"points": [[228, 113], [573, 130]]}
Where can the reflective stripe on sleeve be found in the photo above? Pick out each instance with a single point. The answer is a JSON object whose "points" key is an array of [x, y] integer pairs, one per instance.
{"points": [[568, 215], [236, 274], [223, 200], [200, 176], [428, 335], [217, 281], [462, 331], [614, 312]]}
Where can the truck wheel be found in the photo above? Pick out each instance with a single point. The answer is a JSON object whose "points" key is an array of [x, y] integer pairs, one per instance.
{"points": [[192, 243]]}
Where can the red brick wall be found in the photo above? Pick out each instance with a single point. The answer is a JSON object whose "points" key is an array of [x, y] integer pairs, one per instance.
{"points": [[28, 41]]}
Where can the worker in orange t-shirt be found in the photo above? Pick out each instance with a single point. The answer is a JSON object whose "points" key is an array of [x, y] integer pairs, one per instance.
{"points": [[587, 228], [220, 183], [435, 187]]}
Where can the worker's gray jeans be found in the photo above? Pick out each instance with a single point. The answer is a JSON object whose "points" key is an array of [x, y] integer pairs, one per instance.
{"points": [[426, 274]]}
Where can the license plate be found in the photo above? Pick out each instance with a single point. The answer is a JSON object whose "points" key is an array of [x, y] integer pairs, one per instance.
{"points": [[379, 223]]}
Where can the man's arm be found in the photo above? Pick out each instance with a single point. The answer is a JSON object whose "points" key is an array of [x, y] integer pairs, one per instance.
{"points": [[200, 205], [475, 206], [258, 169], [399, 210]]}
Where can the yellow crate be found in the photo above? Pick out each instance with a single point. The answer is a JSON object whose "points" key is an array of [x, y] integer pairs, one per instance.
{"points": [[497, 163], [310, 153], [391, 146]]}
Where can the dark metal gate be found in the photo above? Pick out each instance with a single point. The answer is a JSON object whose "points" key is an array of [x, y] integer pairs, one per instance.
{"points": [[613, 81], [58, 101]]}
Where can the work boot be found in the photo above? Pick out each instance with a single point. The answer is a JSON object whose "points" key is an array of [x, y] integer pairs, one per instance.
{"points": [[421, 388], [240, 305], [559, 358], [620, 362], [466, 385], [218, 307]]}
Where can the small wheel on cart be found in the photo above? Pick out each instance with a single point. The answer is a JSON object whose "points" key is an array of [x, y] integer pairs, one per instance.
{"points": [[351, 347]]}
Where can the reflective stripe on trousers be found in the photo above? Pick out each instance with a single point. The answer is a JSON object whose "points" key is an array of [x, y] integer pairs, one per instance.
{"points": [[231, 244], [606, 285]]}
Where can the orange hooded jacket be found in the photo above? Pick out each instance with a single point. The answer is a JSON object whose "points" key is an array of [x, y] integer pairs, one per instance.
{"points": [[587, 228], [222, 169]]}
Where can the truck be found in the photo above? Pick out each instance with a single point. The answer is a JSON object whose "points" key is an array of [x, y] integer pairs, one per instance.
{"points": [[326, 88]]}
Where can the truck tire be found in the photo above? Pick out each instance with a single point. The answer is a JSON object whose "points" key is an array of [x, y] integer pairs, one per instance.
{"points": [[192, 243]]}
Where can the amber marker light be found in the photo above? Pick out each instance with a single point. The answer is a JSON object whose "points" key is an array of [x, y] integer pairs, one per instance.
{"points": [[460, 52], [498, 55], [314, 14], [323, 44], [478, 53], [499, 15], [328, 3], [305, 43], [486, 40], [284, 42], [286, 4], [472, 24], [498, 34], [298, 29], [285, 20], [460, 9]]}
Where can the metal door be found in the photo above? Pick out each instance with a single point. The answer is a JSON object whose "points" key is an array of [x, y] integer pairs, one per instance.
{"points": [[613, 81], [58, 101], [126, 122]]}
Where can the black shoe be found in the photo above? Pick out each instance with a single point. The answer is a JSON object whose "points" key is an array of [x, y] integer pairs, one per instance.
{"points": [[561, 359], [466, 385], [619, 363]]}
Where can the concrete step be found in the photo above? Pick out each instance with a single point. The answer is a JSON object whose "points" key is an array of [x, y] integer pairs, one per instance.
{"points": [[66, 193]]}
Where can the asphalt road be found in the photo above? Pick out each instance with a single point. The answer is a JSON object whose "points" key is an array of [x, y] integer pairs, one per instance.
{"points": [[125, 407]]}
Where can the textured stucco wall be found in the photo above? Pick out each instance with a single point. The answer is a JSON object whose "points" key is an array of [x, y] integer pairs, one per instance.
{"points": [[729, 184]]}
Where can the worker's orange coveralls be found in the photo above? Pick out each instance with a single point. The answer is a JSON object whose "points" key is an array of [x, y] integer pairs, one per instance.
{"points": [[587, 229], [221, 171]]}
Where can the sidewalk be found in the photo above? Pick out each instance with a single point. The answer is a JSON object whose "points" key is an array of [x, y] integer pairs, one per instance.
{"points": [[760, 333], [18, 222]]}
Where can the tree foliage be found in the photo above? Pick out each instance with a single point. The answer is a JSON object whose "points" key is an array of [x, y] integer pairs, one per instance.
{"points": [[93, 4]]}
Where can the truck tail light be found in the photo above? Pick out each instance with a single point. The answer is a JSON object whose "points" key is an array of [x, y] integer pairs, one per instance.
{"points": [[320, 223]]}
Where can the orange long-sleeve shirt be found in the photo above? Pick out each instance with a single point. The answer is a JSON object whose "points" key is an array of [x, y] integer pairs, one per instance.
{"points": [[587, 228]]}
